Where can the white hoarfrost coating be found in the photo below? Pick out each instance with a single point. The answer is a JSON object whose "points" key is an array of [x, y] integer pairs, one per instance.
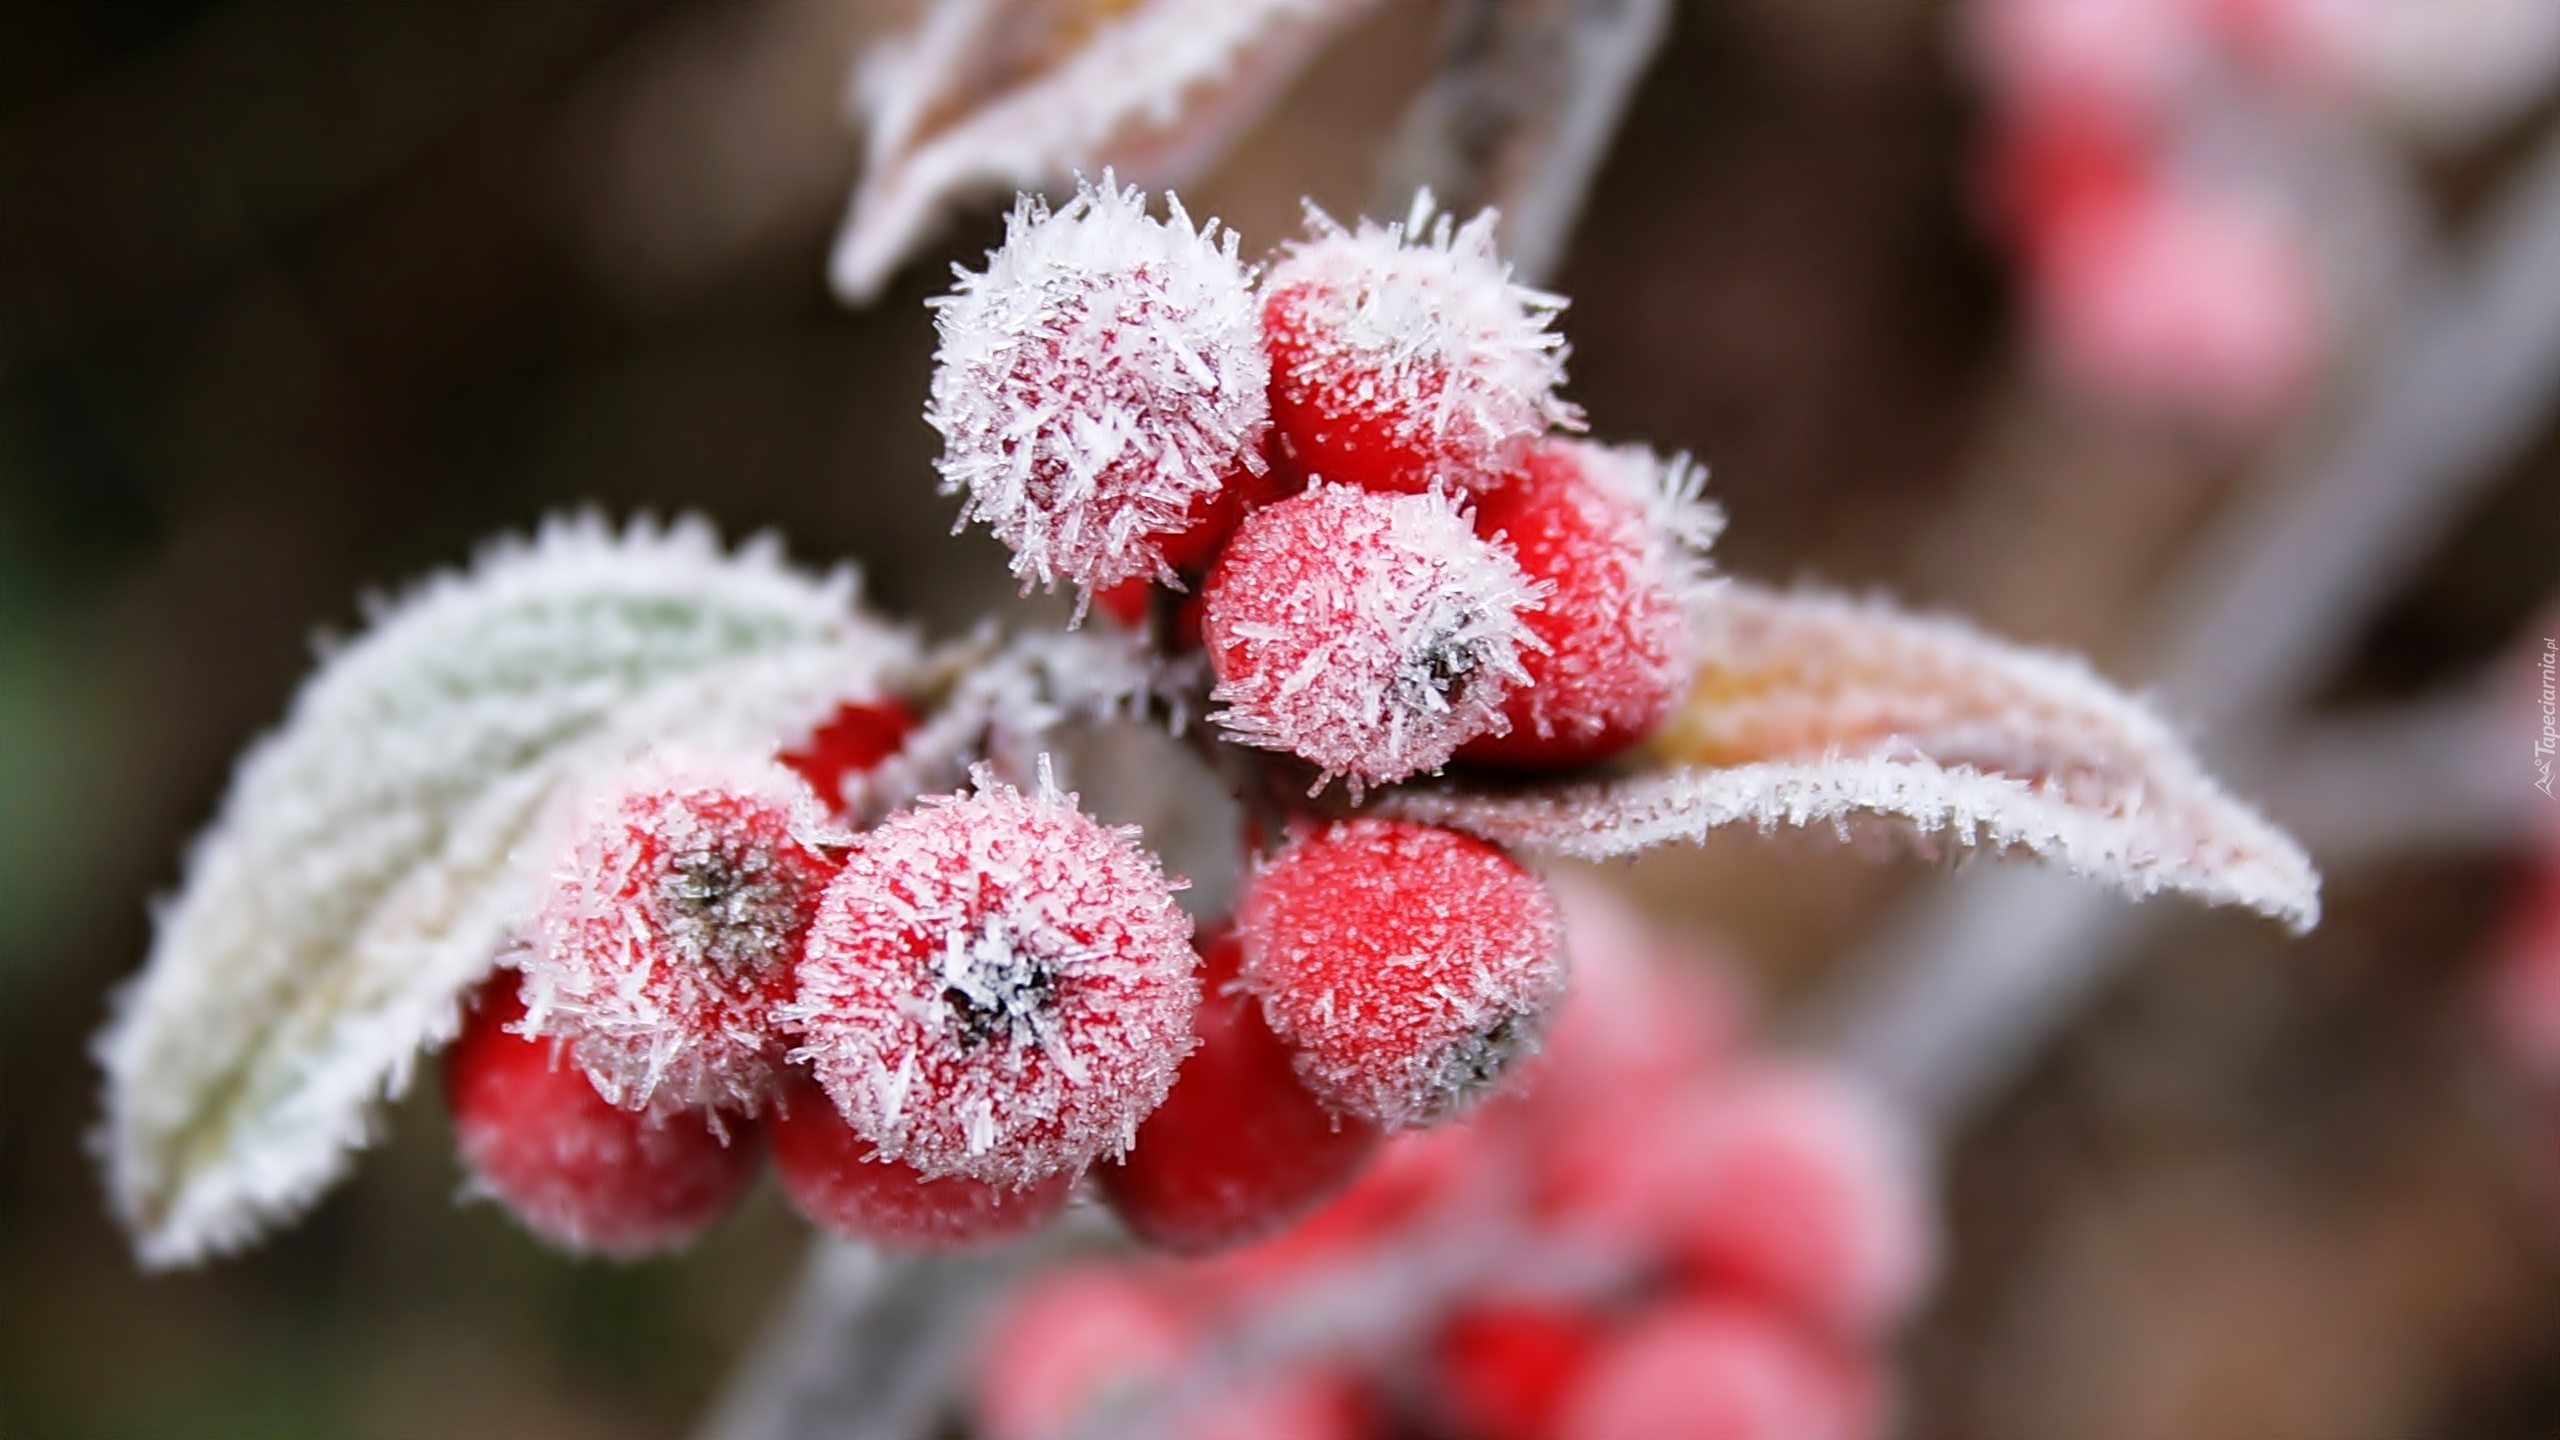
{"points": [[1368, 634], [997, 986], [375, 854], [1419, 325], [1099, 384]]}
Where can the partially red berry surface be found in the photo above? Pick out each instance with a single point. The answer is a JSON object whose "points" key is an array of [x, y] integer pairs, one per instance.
{"points": [[851, 744], [838, 1180], [571, 1166], [1411, 967], [1502, 1370], [1370, 635], [671, 929], [1239, 1148], [1799, 1192], [997, 987], [1707, 1370], [1404, 358], [1074, 1350], [1614, 535], [1100, 388]]}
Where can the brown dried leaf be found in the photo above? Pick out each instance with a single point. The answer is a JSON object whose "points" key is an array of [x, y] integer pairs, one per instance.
{"points": [[999, 95], [1817, 708]]}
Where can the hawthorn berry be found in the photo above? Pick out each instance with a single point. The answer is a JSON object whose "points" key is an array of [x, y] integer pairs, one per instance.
{"points": [[1075, 1349], [671, 929], [850, 744], [1501, 1370], [837, 1179], [1614, 534], [1370, 635], [1710, 1370], [1796, 1189], [1101, 389], [1404, 358], [570, 1165], [1411, 967], [1238, 1148], [996, 986]]}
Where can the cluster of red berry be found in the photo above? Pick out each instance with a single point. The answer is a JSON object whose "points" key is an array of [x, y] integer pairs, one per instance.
{"points": [[1351, 458], [1670, 1237], [939, 1022], [944, 1021]]}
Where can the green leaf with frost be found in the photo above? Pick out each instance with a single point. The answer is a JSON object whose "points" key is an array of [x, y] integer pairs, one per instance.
{"points": [[377, 852]]}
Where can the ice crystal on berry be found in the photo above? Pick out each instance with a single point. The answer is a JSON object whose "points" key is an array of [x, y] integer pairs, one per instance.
{"points": [[1620, 535], [1371, 635], [672, 928], [1101, 386], [997, 986], [1404, 356]]}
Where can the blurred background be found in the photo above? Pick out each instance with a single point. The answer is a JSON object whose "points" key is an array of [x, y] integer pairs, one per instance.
{"points": [[300, 300]]}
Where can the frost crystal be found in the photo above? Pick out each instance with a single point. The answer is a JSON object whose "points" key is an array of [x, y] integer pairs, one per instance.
{"points": [[1368, 634], [1405, 352], [362, 870], [1100, 386], [997, 987], [672, 928]]}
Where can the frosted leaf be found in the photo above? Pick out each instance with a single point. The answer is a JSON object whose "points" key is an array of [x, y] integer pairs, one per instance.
{"points": [[671, 929], [1368, 634], [364, 867], [1100, 387], [1403, 355], [1001, 95], [997, 986], [1813, 709]]}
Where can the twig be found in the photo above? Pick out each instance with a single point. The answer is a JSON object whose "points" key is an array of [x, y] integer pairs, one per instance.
{"points": [[870, 1347], [2438, 775], [1955, 999], [1520, 115]]}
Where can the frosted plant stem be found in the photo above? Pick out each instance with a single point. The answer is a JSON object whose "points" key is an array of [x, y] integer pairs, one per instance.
{"points": [[869, 1346], [1955, 998], [1528, 96]]}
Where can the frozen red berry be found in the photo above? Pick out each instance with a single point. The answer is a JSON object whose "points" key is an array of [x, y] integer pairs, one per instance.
{"points": [[997, 986], [839, 1180], [1101, 389], [671, 930], [1074, 1351], [849, 745], [1500, 1371], [1616, 534], [1798, 1190], [572, 1167], [1706, 1370], [1411, 967], [1403, 357], [1370, 635], [1239, 1147]]}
